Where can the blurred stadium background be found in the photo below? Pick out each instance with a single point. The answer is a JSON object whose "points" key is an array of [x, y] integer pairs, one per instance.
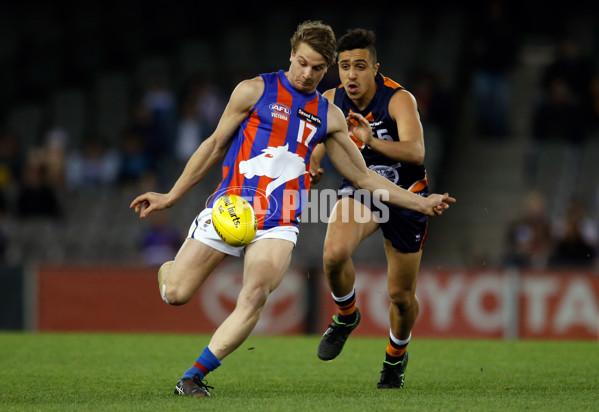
{"points": [[100, 101]]}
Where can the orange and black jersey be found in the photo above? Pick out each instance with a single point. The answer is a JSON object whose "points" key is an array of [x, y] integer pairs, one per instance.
{"points": [[408, 176]]}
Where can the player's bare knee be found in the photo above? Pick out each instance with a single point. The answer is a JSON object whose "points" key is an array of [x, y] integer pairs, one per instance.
{"points": [[403, 299], [335, 255], [174, 295], [254, 298]]}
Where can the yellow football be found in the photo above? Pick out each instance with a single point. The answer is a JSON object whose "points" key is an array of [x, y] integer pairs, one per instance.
{"points": [[234, 220]]}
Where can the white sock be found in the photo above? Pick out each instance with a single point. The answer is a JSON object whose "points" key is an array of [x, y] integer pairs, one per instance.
{"points": [[399, 342], [344, 297]]}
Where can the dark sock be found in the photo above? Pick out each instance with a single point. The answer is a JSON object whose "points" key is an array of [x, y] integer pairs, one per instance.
{"points": [[395, 352], [347, 308]]}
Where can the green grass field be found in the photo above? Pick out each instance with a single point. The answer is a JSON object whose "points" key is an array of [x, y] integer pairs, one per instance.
{"points": [[90, 372]]}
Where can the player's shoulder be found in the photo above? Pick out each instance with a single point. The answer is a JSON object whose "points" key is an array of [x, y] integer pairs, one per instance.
{"points": [[402, 97], [253, 85], [249, 90], [401, 103]]}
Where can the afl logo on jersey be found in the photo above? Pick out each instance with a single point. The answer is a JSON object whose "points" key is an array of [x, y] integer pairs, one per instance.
{"points": [[279, 111]]}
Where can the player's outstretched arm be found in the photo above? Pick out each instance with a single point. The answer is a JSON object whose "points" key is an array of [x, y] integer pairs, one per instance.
{"points": [[243, 98], [347, 159]]}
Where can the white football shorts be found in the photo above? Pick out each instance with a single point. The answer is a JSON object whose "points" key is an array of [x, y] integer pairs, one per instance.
{"points": [[202, 229]]}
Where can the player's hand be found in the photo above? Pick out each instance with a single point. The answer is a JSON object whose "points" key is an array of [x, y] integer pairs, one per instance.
{"points": [[437, 204], [149, 202], [316, 174], [359, 127]]}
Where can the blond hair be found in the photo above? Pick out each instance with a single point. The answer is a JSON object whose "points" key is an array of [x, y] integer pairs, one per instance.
{"points": [[319, 36]]}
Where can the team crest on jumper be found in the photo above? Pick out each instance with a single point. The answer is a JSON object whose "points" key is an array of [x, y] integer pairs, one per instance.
{"points": [[278, 163], [388, 172]]}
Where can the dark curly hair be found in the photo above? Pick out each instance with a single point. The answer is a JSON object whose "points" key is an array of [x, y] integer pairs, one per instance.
{"points": [[358, 39]]}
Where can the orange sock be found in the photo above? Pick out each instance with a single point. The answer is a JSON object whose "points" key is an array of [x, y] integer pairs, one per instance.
{"points": [[394, 352], [347, 307], [396, 348]]}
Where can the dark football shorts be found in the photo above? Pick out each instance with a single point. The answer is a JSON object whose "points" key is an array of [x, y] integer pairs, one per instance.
{"points": [[404, 228]]}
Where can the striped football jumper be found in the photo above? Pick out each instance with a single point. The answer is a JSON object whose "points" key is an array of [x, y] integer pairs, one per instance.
{"points": [[268, 160]]}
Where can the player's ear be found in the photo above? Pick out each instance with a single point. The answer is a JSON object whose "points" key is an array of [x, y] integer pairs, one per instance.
{"points": [[376, 69], [291, 56]]}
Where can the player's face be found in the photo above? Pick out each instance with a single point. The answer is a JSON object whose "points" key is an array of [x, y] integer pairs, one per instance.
{"points": [[307, 69], [357, 72]]}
